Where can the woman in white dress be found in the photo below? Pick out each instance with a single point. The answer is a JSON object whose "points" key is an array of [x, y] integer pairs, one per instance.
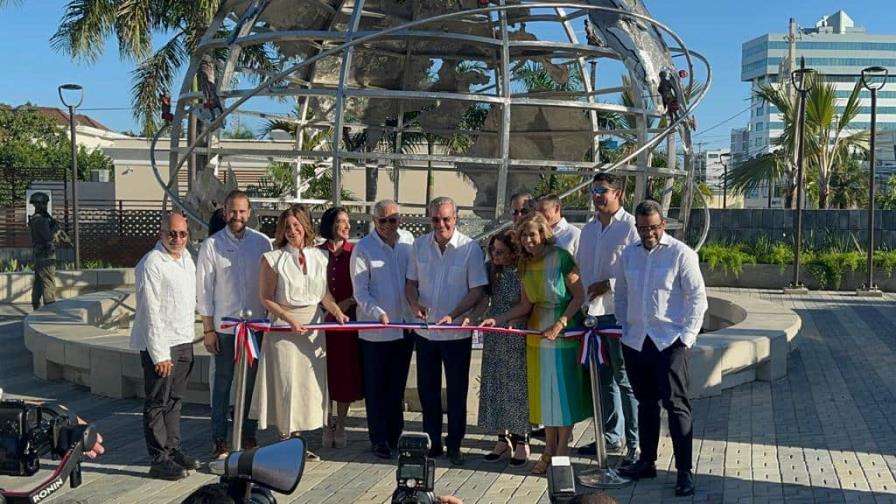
{"points": [[291, 388]]}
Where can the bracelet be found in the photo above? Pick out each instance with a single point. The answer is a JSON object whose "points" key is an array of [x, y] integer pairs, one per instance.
{"points": [[208, 331]]}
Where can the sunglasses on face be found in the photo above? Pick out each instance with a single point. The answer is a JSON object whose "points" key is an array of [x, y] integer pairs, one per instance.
{"points": [[173, 235], [444, 220], [652, 227], [600, 189], [387, 220]]}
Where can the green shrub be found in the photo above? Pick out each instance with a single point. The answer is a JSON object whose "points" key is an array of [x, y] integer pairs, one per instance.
{"points": [[828, 266], [730, 258]]}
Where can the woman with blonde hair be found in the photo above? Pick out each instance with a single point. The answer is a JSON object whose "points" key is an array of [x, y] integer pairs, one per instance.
{"points": [[291, 388], [551, 296]]}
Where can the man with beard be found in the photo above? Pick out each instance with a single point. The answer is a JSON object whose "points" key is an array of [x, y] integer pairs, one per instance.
{"points": [[600, 247], [660, 299], [165, 281], [227, 283]]}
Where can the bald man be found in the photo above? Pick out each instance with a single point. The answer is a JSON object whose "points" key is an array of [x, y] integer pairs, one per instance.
{"points": [[163, 332]]}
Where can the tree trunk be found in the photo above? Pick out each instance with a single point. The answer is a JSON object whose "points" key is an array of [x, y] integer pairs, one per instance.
{"points": [[430, 182], [823, 193], [371, 176]]}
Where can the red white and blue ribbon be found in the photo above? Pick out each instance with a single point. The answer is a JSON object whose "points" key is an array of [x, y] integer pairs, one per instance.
{"points": [[244, 338], [592, 343], [589, 337]]}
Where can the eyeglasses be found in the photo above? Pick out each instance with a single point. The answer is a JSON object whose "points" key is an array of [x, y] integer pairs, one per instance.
{"points": [[387, 220], [520, 211], [600, 189], [652, 227], [173, 235], [443, 220]]}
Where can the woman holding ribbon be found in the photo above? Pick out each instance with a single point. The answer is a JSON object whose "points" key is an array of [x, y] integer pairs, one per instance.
{"points": [[551, 296], [343, 353], [503, 397], [291, 388]]}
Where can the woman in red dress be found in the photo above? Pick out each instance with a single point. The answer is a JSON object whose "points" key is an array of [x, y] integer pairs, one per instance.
{"points": [[343, 354]]}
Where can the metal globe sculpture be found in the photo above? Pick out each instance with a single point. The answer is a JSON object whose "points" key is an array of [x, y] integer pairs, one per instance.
{"points": [[502, 92]]}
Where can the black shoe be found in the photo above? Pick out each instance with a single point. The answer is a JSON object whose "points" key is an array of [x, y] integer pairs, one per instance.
{"points": [[588, 449], [182, 459], [684, 485], [382, 451], [638, 470], [539, 433], [436, 451], [167, 470], [456, 457]]}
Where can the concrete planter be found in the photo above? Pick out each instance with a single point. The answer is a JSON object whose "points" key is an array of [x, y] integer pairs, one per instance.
{"points": [[16, 287], [770, 276]]}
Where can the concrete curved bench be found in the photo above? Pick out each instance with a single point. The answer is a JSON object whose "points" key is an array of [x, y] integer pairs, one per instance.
{"points": [[744, 339], [85, 340]]}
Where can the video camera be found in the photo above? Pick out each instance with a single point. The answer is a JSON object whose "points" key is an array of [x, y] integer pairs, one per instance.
{"points": [[29, 431], [416, 471]]}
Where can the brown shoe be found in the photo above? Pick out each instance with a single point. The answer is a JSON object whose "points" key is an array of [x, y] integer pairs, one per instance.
{"points": [[249, 442], [221, 451]]}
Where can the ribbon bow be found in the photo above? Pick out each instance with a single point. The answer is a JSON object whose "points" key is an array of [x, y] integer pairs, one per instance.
{"points": [[244, 336], [591, 343]]}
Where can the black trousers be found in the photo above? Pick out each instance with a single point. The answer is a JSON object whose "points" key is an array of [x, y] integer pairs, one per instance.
{"points": [[164, 398], [662, 378], [385, 365], [455, 356]]}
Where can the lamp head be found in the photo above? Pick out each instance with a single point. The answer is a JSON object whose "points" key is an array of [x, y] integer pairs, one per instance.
{"points": [[803, 78], [874, 77], [245, 314], [71, 88]]}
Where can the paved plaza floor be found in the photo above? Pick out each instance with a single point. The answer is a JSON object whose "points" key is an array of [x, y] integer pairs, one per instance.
{"points": [[824, 434]]}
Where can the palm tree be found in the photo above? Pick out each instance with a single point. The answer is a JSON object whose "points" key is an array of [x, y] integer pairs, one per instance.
{"points": [[86, 24], [827, 141]]}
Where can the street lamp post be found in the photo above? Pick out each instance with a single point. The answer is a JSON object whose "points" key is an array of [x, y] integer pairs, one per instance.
{"points": [[78, 91], [803, 79], [873, 79], [724, 178]]}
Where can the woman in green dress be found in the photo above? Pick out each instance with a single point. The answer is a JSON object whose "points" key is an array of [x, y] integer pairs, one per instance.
{"points": [[552, 296]]}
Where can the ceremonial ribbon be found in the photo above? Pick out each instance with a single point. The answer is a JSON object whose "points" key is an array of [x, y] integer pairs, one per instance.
{"points": [[589, 337], [591, 342]]}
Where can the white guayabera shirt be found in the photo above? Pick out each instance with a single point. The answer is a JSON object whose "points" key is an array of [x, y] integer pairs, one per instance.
{"points": [[166, 303], [600, 249], [660, 294]]}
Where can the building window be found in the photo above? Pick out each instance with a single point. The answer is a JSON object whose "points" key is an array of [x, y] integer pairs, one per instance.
{"points": [[757, 142], [759, 111], [760, 126]]}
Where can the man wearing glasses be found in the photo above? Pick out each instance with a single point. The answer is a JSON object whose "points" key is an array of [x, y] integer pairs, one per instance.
{"points": [[521, 205], [446, 276], [600, 248], [660, 301], [379, 265], [163, 332]]}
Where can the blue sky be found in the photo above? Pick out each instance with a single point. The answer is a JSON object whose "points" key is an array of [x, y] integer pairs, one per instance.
{"points": [[716, 28]]}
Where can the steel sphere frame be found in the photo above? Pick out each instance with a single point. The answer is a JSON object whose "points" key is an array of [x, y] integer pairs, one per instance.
{"points": [[497, 15]]}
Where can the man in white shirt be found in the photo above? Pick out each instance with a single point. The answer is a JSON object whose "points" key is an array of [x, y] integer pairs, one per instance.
{"points": [[379, 266], [445, 279], [565, 234], [163, 332], [660, 301], [600, 248], [227, 283], [521, 205]]}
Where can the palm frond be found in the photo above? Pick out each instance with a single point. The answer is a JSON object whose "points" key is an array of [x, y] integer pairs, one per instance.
{"points": [[84, 26], [133, 28]]}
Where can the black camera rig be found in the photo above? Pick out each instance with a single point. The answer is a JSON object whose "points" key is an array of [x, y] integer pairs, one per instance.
{"points": [[416, 471], [29, 431]]}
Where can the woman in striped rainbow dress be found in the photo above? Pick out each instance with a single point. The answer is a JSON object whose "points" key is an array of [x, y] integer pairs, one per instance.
{"points": [[552, 295]]}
